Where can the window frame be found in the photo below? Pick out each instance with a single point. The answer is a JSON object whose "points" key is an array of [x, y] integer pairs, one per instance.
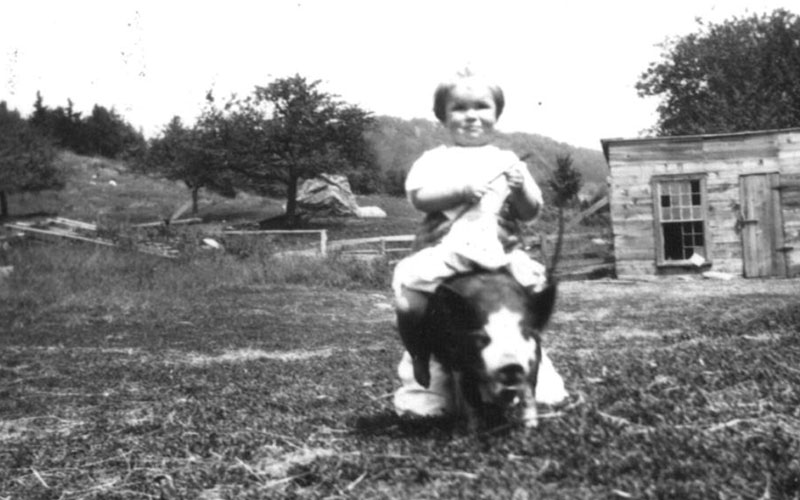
{"points": [[657, 181]]}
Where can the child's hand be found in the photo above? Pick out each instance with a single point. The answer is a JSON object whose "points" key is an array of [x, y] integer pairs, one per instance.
{"points": [[514, 176], [471, 194]]}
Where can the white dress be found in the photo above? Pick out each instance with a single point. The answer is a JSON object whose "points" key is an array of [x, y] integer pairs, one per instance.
{"points": [[466, 247]]}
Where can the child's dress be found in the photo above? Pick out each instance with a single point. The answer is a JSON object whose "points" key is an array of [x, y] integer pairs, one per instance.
{"points": [[471, 242]]}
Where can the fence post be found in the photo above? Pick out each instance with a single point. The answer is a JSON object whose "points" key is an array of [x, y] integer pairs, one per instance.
{"points": [[323, 242]]}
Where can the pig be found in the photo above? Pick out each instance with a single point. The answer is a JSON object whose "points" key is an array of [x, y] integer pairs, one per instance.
{"points": [[485, 330]]}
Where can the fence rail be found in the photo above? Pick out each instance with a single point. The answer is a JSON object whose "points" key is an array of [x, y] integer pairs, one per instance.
{"points": [[323, 235]]}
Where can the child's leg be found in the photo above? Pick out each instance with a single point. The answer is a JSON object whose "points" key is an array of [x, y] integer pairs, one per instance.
{"points": [[411, 399], [411, 307], [415, 278], [528, 273]]}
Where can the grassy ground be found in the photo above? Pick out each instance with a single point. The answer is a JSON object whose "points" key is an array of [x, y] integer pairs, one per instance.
{"points": [[126, 376], [160, 381]]}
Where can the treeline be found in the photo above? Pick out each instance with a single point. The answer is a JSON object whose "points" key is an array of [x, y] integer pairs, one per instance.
{"points": [[265, 143], [28, 147], [26, 158], [102, 133], [396, 143]]}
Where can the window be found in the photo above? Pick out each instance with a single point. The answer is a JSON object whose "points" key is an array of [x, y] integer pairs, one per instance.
{"points": [[680, 212]]}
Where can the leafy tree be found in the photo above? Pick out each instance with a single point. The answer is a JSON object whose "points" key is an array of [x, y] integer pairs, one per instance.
{"points": [[62, 125], [107, 134], [26, 159], [285, 132], [566, 181], [741, 74], [182, 154], [104, 132], [565, 184]]}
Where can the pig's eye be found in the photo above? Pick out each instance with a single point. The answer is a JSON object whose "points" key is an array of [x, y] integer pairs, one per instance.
{"points": [[530, 333], [481, 338]]}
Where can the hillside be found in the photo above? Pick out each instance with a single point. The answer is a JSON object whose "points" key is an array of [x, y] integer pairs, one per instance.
{"points": [[397, 143]]}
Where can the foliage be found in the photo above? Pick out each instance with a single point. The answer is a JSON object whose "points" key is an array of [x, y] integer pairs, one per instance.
{"points": [[186, 155], [26, 159], [397, 143], [566, 181], [738, 75], [103, 133], [285, 132], [565, 184]]}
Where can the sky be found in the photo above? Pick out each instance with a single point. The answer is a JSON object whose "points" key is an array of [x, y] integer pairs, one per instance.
{"points": [[568, 67]]}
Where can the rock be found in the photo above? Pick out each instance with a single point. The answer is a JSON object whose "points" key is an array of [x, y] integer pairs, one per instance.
{"points": [[717, 275], [370, 213], [212, 243], [327, 195]]}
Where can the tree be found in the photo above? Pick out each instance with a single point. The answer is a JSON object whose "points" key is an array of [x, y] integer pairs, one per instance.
{"points": [[565, 183], [183, 154], [107, 134], [103, 133], [285, 132], [741, 74], [26, 159], [63, 126]]}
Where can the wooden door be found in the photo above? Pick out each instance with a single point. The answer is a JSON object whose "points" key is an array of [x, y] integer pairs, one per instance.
{"points": [[762, 228]]}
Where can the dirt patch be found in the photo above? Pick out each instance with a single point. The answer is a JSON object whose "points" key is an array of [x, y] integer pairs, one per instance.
{"points": [[242, 355]]}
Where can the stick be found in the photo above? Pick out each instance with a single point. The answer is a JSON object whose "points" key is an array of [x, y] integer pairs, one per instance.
{"points": [[40, 478]]}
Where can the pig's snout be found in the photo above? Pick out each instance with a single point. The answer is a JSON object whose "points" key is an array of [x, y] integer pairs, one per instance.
{"points": [[511, 375]]}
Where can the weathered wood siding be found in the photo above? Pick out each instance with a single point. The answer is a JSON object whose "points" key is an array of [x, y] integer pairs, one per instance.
{"points": [[722, 159]]}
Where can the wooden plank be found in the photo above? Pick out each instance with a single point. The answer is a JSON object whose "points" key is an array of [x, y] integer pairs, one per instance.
{"points": [[760, 239], [635, 268], [51, 235], [632, 192], [589, 211], [193, 220], [737, 147], [674, 149], [75, 223], [584, 270], [405, 238], [275, 231], [633, 253], [629, 214]]}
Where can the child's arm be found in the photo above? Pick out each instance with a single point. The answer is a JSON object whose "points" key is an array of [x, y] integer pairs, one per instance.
{"points": [[526, 197], [439, 198]]}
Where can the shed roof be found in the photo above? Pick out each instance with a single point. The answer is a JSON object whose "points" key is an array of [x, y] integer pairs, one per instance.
{"points": [[691, 138]]}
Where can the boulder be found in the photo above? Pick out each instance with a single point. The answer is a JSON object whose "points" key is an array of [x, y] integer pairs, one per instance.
{"points": [[327, 195], [370, 213]]}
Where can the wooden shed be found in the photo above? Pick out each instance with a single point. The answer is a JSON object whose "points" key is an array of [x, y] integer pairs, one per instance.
{"points": [[689, 204]]}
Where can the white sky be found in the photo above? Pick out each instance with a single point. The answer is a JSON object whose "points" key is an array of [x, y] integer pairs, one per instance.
{"points": [[568, 67]]}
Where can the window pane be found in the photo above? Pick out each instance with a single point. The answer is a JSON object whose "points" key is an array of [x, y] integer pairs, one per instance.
{"points": [[681, 212], [696, 200], [682, 239], [673, 248]]}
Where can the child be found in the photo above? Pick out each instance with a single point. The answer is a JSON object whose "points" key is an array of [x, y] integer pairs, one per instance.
{"points": [[466, 190]]}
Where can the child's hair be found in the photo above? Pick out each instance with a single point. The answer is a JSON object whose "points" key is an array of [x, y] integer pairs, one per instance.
{"points": [[445, 90]]}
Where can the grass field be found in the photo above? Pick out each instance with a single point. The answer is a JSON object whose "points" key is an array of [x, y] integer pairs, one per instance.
{"points": [[126, 376]]}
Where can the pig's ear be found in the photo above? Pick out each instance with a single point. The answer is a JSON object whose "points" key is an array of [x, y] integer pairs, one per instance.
{"points": [[542, 303], [458, 311]]}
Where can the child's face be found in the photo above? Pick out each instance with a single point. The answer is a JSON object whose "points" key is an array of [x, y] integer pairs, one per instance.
{"points": [[470, 115]]}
